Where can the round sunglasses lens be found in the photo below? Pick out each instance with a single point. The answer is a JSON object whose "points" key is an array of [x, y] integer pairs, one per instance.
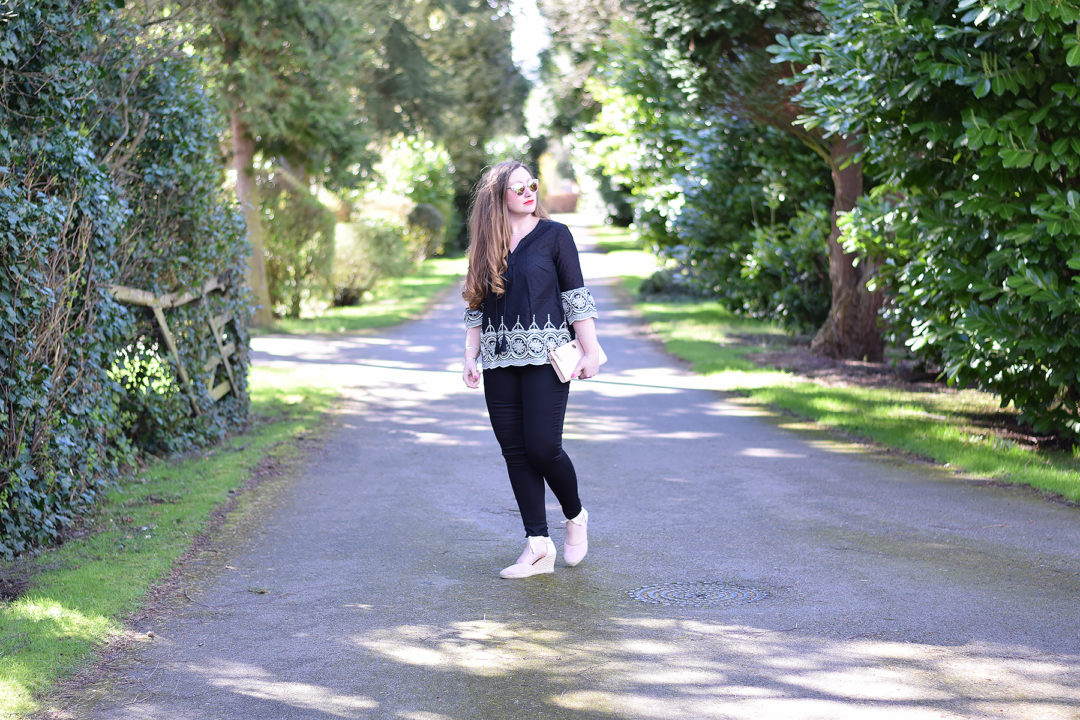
{"points": [[519, 188]]}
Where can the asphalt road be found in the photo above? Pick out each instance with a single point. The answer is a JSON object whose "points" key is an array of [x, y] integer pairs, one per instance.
{"points": [[737, 569]]}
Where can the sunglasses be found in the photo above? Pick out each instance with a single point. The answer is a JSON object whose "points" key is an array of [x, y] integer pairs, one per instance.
{"points": [[518, 188]]}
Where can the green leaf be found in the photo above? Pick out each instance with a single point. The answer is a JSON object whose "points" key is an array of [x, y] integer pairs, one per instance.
{"points": [[1016, 158], [1072, 58]]}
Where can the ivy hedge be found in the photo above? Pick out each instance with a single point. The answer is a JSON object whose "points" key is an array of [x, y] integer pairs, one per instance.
{"points": [[110, 174]]}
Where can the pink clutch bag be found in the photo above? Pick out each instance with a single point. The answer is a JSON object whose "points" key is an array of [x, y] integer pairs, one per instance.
{"points": [[565, 358]]}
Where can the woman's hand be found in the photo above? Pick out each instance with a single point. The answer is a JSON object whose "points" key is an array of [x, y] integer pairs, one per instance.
{"points": [[471, 373], [588, 366]]}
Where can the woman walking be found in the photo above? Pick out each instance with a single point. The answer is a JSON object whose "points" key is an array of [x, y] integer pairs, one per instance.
{"points": [[525, 297]]}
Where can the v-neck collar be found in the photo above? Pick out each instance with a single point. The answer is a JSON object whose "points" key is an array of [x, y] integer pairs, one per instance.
{"points": [[528, 235]]}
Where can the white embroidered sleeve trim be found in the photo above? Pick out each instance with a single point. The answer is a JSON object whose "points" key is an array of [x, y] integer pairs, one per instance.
{"points": [[578, 304], [473, 318]]}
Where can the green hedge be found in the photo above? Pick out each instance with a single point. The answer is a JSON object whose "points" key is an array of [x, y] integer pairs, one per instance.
{"points": [[109, 174]]}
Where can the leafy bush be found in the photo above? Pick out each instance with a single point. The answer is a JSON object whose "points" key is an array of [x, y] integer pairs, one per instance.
{"points": [[426, 228], [753, 222], [299, 246], [786, 271], [367, 250], [423, 172], [671, 283], [108, 175]]}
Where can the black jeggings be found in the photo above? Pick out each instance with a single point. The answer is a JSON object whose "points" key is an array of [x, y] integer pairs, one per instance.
{"points": [[526, 406]]}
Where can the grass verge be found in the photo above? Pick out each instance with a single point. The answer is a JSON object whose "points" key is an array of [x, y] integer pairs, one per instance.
{"points": [[394, 300], [952, 428], [80, 592]]}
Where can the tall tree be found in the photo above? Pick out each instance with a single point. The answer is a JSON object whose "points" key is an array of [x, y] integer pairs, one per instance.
{"points": [[718, 49], [308, 86], [586, 38], [482, 93], [285, 67]]}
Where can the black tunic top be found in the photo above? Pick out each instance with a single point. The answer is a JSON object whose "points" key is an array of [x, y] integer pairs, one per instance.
{"points": [[544, 295]]}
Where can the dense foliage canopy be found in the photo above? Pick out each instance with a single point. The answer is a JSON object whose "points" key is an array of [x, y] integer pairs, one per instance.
{"points": [[972, 111]]}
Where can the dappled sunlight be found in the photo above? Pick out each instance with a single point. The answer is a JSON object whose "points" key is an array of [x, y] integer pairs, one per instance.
{"points": [[687, 435], [737, 407], [393, 546], [481, 647], [833, 446], [402, 388], [770, 453], [409, 387], [14, 693], [66, 621], [429, 438], [572, 645], [598, 427], [255, 682], [664, 668], [614, 386]]}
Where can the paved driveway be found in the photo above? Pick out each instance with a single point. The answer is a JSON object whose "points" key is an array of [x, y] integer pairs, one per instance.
{"points": [[736, 570]]}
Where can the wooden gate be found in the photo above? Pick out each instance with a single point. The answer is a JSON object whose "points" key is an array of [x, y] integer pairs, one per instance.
{"points": [[216, 325]]}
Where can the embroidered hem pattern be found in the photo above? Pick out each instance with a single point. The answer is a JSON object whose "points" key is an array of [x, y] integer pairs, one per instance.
{"points": [[524, 346]]}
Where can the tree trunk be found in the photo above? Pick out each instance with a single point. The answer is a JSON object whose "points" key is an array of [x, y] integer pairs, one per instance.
{"points": [[851, 330], [247, 194]]}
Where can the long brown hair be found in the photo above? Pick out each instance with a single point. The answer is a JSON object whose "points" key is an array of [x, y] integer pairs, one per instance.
{"points": [[489, 233]]}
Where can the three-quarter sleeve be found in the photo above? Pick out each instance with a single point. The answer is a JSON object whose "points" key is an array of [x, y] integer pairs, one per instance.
{"points": [[578, 304], [577, 301], [474, 318]]}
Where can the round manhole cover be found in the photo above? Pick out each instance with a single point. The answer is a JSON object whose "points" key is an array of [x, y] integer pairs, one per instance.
{"points": [[698, 594]]}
